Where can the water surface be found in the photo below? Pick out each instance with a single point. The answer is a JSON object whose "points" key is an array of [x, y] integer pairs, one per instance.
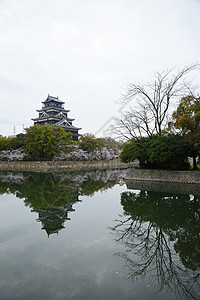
{"points": [[94, 236]]}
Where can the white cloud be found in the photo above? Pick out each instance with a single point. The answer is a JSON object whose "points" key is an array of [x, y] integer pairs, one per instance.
{"points": [[85, 51]]}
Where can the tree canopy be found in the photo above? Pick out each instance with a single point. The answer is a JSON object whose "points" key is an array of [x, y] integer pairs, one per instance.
{"points": [[136, 149], [18, 141], [4, 143], [186, 120], [88, 143], [168, 152], [42, 142], [157, 152]]}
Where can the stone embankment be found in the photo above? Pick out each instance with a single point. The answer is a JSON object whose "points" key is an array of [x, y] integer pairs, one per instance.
{"points": [[164, 176], [133, 175], [164, 187], [54, 166]]}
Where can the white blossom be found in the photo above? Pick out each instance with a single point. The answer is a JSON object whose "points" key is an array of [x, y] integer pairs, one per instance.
{"points": [[79, 154], [12, 155]]}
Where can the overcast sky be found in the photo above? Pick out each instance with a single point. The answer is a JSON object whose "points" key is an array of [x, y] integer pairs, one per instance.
{"points": [[86, 51]]}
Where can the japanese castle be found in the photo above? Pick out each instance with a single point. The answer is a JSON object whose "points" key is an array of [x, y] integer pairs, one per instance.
{"points": [[54, 114]]}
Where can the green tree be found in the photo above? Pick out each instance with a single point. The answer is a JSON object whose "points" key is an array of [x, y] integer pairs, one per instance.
{"points": [[168, 152], [109, 142], [186, 119], [89, 143], [136, 149], [42, 142], [4, 143], [18, 141], [157, 152]]}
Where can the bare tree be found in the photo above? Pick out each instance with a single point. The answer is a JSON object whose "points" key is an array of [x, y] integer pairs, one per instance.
{"points": [[153, 102]]}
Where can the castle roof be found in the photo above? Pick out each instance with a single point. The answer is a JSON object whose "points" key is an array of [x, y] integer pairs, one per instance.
{"points": [[51, 98]]}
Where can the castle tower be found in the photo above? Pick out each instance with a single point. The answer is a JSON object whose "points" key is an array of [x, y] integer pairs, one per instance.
{"points": [[54, 114]]}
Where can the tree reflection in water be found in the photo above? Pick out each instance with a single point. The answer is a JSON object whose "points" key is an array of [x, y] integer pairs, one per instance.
{"points": [[53, 195], [160, 233]]}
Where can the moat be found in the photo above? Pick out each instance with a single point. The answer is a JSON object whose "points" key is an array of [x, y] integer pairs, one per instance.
{"points": [[92, 235]]}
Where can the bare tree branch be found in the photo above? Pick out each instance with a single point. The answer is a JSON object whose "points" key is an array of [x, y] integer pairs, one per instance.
{"points": [[153, 101]]}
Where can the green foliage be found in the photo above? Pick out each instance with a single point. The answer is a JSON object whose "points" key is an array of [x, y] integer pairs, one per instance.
{"points": [[89, 143], [187, 116], [42, 142], [18, 141], [158, 152], [187, 120], [109, 142], [4, 143], [12, 143], [168, 152], [127, 154], [136, 149]]}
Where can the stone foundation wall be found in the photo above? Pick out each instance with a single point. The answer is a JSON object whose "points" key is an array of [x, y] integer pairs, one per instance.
{"points": [[134, 174], [165, 176], [51, 166], [169, 187]]}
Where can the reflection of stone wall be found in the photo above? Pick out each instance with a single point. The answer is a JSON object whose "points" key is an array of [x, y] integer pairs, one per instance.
{"points": [[45, 166], [169, 187], [165, 176]]}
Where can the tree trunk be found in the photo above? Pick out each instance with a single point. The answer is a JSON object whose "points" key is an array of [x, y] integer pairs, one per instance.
{"points": [[194, 163]]}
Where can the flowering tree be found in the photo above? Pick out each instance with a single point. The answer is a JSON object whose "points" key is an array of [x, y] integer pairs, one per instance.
{"points": [[52, 142], [96, 154], [12, 155]]}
